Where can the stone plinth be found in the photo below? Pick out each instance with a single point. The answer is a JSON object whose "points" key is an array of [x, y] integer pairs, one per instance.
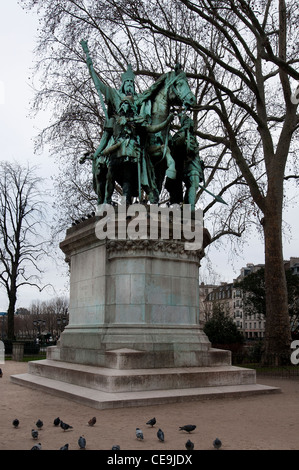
{"points": [[133, 335], [17, 351], [135, 294]]}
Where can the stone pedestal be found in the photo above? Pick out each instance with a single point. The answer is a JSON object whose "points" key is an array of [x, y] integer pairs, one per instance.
{"points": [[2, 353], [133, 333], [135, 294], [17, 351]]}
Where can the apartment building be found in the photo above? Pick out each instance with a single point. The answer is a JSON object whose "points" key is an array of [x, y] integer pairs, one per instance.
{"points": [[252, 326], [218, 295], [231, 298]]}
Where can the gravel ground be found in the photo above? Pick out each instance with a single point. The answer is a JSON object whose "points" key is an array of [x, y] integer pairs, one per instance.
{"points": [[261, 422]]}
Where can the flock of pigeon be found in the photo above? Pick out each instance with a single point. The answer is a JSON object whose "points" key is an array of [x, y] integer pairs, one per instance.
{"points": [[58, 423], [188, 428], [82, 440]]}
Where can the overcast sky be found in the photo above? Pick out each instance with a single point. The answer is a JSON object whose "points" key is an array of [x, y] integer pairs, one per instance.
{"points": [[17, 130]]}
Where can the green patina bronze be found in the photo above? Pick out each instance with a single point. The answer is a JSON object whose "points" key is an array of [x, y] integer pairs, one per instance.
{"points": [[136, 149]]}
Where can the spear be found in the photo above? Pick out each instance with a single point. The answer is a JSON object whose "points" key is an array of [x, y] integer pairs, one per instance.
{"points": [[218, 198], [93, 74]]}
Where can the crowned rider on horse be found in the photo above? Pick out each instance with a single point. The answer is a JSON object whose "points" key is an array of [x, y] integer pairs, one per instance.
{"points": [[141, 110]]}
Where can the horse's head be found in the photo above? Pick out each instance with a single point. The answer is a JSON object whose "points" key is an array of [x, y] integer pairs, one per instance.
{"points": [[180, 90], [171, 88]]}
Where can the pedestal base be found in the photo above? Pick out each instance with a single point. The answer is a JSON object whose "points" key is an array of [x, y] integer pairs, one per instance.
{"points": [[134, 336], [103, 388], [164, 346]]}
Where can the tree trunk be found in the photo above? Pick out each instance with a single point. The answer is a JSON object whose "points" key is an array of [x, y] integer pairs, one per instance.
{"points": [[11, 312], [278, 332], [10, 319]]}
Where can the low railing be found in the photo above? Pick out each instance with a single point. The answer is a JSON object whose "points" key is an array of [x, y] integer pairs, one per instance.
{"points": [[24, 350], [273, 366]]}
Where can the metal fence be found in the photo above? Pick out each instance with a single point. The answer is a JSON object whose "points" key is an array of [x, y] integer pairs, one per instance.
{"points": [[24, 350], [273, 366]]}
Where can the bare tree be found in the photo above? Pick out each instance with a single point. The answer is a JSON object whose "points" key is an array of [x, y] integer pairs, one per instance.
{"points": [[77, 118], [53, 314], [249, 69], [21, 243], [241, 57]]}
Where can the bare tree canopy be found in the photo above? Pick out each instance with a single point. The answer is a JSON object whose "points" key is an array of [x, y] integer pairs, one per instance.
{"points": [[242, 61], [21, 244]]}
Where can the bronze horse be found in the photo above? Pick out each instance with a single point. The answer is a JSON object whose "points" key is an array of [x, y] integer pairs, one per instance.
{"points": [[173, 90]]}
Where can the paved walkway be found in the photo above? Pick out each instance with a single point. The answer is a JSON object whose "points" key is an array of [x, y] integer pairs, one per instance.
{"points": [[261, 422]]}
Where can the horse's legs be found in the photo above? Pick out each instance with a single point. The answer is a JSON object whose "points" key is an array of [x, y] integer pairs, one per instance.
{"points": [[191, 190], [129, 175], [175, 189], [127, 192], [153, 195], [171, 171], [100, 183], [109, 186]]}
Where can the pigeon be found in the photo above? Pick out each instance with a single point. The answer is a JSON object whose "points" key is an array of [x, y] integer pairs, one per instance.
{"points": [[65, 447], [160, 435], [34, 433], [217, 443], [82, 442], [37, 447], [188, 427], [139, 434], [116, 447], [152, 422], [16, 422], [92, 421], [56, 421], [189, 445], [39, 424], [65, 426]]}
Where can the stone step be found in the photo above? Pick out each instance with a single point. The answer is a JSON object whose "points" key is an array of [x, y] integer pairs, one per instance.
{"points": [[132, 380], [125, 358], [104, 400]]}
